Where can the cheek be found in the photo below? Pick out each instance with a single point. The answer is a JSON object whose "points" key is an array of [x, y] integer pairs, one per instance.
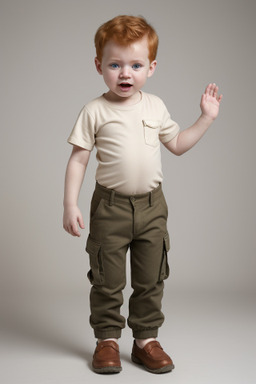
{"points": [[141, 78], [109, 77]]}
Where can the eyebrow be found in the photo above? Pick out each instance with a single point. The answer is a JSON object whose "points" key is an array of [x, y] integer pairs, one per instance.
{"points": [[132, 61]]}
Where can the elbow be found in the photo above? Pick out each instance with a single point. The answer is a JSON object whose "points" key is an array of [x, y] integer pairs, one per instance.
{"points": [[177, 152]]}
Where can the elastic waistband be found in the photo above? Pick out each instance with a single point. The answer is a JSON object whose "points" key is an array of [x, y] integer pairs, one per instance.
{"points": [[112, 195]]}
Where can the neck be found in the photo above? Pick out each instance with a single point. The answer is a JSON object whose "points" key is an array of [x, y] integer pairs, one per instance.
{"points": [[110, 96]]}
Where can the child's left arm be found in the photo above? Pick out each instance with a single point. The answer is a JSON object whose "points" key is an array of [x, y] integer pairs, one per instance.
{"points": [[186, 139]]}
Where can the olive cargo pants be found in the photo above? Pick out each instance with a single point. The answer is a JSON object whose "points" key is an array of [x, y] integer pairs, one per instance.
{"points": [[119, 222]]}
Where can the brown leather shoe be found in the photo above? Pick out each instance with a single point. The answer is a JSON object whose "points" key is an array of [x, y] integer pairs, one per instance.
{"points": [[152, 357], [106, 358]]}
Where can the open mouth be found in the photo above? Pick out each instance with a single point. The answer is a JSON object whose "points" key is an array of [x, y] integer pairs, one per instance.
{"points": [[125, 85]]}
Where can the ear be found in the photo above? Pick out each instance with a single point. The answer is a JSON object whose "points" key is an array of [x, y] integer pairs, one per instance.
{"points": [[98, 65], [152, 68]]}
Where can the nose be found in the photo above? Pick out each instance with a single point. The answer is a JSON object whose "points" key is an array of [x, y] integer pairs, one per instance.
{"points": [[125, 72]]}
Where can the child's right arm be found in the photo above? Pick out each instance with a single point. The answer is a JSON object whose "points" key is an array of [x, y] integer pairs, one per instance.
{"points": [[73, 181]]}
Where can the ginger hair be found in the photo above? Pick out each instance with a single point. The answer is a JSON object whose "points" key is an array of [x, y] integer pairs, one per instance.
{"points": [[125, 30]]}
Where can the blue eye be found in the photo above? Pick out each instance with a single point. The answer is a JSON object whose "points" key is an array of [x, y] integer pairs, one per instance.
{"points": [[136, 66], [114, 65]]}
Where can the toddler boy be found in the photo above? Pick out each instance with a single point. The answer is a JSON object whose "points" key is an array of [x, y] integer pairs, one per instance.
{"points": [[128, 208]]}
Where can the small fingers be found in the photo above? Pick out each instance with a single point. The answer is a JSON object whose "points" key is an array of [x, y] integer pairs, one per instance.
{"points": [[81, 222], [208, 89], [72, 229], [215, 91], [212, 90]]}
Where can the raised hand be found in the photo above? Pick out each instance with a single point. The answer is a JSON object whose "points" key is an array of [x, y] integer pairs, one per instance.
{"points": [[210, 101]]}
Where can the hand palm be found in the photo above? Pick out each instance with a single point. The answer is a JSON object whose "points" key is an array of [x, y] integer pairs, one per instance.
{"points": [[210, 101]]}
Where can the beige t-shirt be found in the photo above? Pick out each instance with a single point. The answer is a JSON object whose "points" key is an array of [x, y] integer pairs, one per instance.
{"points": [[127, 139]]}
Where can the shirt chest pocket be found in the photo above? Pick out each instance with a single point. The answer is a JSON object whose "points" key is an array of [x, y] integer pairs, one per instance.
{"points": [[151, 132]]}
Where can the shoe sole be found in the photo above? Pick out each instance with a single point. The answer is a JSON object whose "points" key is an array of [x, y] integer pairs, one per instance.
{"points": [[105, 370], [165, 369]]}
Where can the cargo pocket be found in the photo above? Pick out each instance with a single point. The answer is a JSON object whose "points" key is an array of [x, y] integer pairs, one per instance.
{"points": [[164, 269], [96, 273], [151, 132]]}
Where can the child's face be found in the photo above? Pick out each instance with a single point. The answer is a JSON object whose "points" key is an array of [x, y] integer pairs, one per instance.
{"points": [[125, 70]]}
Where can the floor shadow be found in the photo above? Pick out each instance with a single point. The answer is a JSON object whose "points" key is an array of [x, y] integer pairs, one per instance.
{"points": [[127, 358], [36, 331], [46, 339]]}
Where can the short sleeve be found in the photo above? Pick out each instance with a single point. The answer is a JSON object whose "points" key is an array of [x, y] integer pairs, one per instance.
{"points": [[83, 133], [169, 128]]}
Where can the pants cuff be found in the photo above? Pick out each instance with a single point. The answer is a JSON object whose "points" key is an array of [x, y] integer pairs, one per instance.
{"points": [[145, 334], [114, 333]]}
